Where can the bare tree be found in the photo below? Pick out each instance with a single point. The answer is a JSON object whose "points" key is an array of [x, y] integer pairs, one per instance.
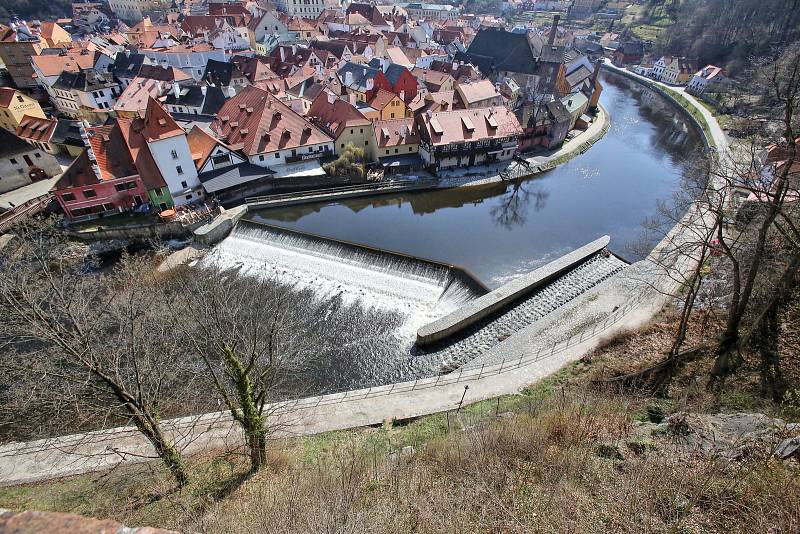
{"points": [[773, 184], [91, 347]]}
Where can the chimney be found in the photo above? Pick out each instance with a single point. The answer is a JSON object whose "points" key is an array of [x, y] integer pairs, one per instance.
{"points": [[203, 90], [283, 53], [553, 30], [331, 98], [370, 84], [176, 90], [353, 99], [402, 96], [348, 78]]}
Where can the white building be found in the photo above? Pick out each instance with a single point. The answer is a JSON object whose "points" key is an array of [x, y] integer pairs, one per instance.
{"points": [[191, 59], [707, 77], [308, 9], [442, 12], [169, 148], [135, 10]]}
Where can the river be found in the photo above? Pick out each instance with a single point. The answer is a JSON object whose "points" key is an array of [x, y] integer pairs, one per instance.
{"points": [[500, 231]]}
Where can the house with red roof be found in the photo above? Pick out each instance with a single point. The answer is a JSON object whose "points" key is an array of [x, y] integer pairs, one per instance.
{"points": [[709, 77], [267, 131], [129, 163], [467, 137], [103, 180], [398, 80], [342, 121]]}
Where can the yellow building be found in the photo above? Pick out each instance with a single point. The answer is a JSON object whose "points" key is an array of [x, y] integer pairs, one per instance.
{"points": [[15, 105], [389, 106]]}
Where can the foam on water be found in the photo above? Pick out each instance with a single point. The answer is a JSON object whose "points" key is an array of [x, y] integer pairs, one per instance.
{"points": [[420, 290]]}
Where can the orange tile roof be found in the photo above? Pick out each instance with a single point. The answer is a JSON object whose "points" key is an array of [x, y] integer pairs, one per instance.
{"points": [[382, 99], [111, 152], [258, 122], [201, 144], [334, 117], [54, 65], [158, 123], [396, 132], [36, 128], [461, 125], [131, 130]]}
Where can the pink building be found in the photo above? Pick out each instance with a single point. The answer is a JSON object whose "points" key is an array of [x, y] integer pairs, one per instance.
{"points": [[103, 180]]}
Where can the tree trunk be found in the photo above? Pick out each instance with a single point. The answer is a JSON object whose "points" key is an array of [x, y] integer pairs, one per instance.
{"points": [[772, 383], [249, 416], [164, 448]]}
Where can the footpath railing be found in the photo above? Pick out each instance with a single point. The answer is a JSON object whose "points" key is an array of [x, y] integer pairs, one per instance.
{"points": [[368, 186], [18, 213]]}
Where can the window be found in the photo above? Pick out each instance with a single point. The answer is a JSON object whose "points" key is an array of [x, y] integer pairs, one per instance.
{"points": [[89, 193], [184, 184], [108, 207], [68, 197], [179, 169], [260, 158], [366, 143], [396, 150], [189, 196], [311, 149], [13, 161], [174, 155], [20, 99], [223, 159], [37, 155], [125, 186], [277, 155]]}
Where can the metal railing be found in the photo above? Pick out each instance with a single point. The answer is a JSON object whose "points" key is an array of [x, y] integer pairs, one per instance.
{"points": [[18, 213]]}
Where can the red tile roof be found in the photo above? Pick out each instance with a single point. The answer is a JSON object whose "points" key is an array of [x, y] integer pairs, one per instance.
{"points": [[258, 122], [131, 130], [6, 94], [396, 132], [201, 143], [336, 116], [447, 127], [36, 128], [158, 123], [111, 152], [382, 99]]}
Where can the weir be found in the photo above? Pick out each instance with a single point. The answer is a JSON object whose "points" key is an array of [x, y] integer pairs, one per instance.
{"points": [[335, 267]]}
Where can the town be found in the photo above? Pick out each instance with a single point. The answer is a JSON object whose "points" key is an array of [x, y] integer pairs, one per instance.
{"points": [[139, 107], [373, 266]]}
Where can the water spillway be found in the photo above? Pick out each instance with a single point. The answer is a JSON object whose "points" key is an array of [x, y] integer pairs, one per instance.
{"points": [[423, 289]]}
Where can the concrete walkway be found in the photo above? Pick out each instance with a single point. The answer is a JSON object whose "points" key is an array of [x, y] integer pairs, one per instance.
{"points": [[620, 303]]}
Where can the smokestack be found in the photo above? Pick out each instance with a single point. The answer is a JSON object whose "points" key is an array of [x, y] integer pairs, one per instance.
{"points": [[554, 30]]}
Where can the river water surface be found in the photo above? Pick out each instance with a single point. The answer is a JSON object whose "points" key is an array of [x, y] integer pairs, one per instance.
{"points": [[501, 231]]}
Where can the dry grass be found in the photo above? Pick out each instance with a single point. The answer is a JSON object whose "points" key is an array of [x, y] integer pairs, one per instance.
{"points": [[552, 470]]}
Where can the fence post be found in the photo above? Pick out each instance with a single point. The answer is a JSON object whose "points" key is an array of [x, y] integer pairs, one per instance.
{"points": [[414, 384], [480, 374]]}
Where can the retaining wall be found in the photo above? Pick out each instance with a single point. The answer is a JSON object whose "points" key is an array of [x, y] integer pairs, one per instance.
{"points": [[482, 307], [138, 232]]}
